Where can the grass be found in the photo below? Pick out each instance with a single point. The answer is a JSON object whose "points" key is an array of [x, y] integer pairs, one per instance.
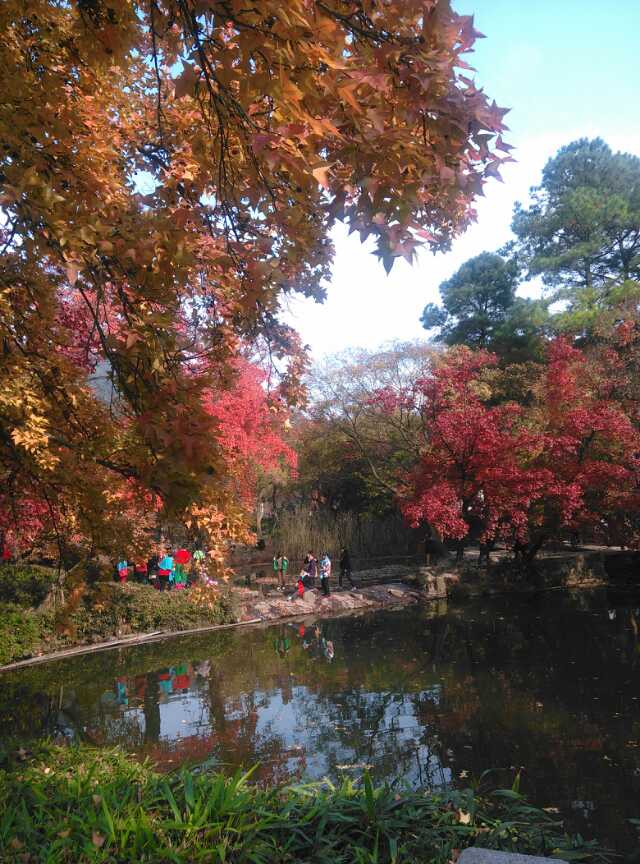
{"points": [[84, 805]]}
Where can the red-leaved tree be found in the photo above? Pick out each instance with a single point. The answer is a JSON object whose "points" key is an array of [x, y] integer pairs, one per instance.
{"points": [[565, 462]]}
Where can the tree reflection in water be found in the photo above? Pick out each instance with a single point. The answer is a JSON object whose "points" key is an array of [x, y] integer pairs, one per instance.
{"points": [[422, 696]]}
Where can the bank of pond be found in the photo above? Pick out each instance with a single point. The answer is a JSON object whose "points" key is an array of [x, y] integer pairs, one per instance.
{"points": [[545, 689]]}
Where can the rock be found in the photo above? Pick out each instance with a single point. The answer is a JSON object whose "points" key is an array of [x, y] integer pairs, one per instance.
{"points": [[396, 592], [310, 598], [476, 855]]}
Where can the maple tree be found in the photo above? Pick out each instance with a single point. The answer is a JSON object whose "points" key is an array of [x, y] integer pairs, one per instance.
{"points": [[470, 472], [590, 446], [567, 461], [251, 429], [168, 171]]}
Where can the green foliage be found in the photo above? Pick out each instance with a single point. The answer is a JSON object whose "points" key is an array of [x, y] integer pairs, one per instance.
{"points": [[110, 610], [105, 612], [20, 632], [24, 585], [84, 805], [581, 231], [332, 468], [480, 309]]}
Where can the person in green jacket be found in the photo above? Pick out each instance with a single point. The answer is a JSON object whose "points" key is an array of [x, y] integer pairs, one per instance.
{"points": [[282, 571]]}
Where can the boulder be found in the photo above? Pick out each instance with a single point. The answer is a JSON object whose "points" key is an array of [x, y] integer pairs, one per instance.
{"points": [[310, 599], [476, 855]]}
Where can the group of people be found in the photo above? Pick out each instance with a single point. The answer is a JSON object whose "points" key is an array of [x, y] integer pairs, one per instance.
{"points": [[312, 569], [165, 571]]}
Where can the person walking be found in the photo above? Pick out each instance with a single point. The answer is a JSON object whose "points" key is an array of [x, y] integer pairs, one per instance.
{"points": [[325, 573], [152, 570], [276, 569], [345, 568]]}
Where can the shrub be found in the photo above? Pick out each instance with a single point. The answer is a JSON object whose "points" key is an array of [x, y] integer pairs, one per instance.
{"points": [[25, 585], [111, 609], [20, 632], [106, 611]]}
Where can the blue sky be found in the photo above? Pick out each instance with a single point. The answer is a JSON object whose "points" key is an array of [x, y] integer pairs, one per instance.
{"points": [[567, 69]]}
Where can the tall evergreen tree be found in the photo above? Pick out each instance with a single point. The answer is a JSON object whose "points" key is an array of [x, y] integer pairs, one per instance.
{"points": [[480, 309], [581, 232]]}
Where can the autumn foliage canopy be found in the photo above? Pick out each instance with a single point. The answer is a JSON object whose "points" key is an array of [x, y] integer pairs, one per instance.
{"points": [[564, 459], [168, 172]]}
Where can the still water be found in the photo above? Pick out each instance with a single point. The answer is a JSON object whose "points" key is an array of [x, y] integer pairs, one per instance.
{"points": [[422, 696]]}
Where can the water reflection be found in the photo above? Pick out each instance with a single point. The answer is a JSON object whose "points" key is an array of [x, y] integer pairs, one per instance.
{"points": [[425, 697]]}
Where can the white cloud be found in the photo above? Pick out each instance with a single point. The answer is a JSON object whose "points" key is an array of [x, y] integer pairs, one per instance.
{"points": [[365, 307]]}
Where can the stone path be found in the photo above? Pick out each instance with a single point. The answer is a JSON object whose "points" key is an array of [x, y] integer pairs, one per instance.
{"points": [[280, 605]]}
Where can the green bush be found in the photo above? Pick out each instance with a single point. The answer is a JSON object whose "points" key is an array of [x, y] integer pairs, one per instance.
{"points": [[25, 585], [83, 805], [111, 609], [104, 612], [20, 632]]}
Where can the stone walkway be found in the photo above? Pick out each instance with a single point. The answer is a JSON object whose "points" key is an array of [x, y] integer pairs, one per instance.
{"points": [[281, 605]]}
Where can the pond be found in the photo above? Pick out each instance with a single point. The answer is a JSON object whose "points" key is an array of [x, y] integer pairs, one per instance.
{"points": [[426, 695]]}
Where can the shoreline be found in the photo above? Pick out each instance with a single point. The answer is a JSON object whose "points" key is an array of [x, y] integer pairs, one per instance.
{"points": [[583, 570], [396, 595]]}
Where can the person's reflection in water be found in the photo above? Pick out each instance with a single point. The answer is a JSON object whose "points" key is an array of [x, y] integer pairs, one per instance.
{"points": [[203, 669], [140, 686], [282, 644], [122, 695], [182, 678], [324, 647], [329, 652], [165, 682]]}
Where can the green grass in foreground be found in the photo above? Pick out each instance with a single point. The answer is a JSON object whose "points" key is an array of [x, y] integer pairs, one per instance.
{"points": [[81, 805]]}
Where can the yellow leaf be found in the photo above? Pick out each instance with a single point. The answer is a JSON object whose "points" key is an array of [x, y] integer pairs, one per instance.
{"points": [[72, 273], [322, 176], [347, 94], [464, 818]]}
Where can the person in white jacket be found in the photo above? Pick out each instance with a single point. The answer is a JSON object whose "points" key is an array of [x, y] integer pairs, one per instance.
{"points": [[325, 573]]}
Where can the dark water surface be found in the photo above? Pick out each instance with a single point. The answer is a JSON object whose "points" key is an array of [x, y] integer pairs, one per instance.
{"points": [[426, 696]]}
